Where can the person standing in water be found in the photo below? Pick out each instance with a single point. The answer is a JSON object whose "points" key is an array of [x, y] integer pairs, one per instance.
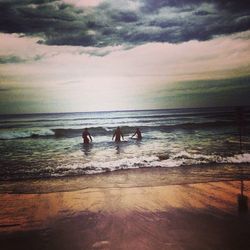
{"points": [[138, 133], [86, 136], [118, 135]]}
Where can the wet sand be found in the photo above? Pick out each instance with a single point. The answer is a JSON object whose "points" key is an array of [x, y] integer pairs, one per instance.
{"points": [[187, 216]]}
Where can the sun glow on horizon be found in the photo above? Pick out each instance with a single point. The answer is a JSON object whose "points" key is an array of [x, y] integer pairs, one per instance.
{"points": [[41, 78]]}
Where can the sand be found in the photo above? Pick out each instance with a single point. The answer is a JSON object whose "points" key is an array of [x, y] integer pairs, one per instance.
{"points": [[125, 216]]}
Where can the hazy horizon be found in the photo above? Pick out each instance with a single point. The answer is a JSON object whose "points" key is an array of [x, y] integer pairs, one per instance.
{"points": [[130, 110]]}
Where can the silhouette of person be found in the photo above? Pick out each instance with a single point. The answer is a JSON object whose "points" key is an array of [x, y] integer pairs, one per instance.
{"points": [[138, 133], [86, 136], [118, 135]]}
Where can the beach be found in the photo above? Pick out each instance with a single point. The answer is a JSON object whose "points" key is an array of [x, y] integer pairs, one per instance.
{"points": [[177, 188], [113, 211], [124, 125]]}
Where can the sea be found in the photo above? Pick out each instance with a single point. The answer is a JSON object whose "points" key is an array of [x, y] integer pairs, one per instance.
{"points": [[35, 146]]}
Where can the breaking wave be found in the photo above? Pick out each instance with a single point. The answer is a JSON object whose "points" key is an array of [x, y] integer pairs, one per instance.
{"points": [[178, 160], [75, 132]]}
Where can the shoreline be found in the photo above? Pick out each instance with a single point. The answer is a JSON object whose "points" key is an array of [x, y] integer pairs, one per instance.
{"points": [[114, 212], [128, 178]]}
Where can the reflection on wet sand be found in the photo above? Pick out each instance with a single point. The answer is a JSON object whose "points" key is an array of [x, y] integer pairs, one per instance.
{"points": [[161, 217], [242, 199]]}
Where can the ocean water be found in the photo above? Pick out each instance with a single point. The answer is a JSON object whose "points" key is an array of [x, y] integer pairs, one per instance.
{"points": [[50, 145]]}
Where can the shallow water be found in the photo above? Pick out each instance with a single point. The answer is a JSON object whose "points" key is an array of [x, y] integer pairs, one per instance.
{"points": [[50, 145]]}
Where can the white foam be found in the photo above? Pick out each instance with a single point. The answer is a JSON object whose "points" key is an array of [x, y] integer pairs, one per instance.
{"points": [[188, 158], [240, 158], [22, 133], [180, 159]]}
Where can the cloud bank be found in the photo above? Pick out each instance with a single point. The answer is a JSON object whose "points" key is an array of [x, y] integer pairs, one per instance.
{"points": [[9, 59], [123, 22]]}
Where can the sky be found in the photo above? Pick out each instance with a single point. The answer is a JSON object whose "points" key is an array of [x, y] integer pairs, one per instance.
{"points": [[94, 55]]}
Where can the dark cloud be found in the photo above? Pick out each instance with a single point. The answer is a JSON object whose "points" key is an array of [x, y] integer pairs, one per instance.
{"points": [[98, 53], [124, 22], [10, 59], [202, 13], [221, 92], [124, 16], [203, 87], [4, 89]]}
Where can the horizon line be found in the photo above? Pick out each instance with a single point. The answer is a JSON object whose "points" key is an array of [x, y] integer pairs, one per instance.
{"points": [[124, 110]]}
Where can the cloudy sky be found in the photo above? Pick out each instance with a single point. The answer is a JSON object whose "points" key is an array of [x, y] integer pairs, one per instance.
{"points": [[88, 55]]}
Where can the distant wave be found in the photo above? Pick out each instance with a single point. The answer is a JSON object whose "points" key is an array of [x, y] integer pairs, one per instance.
{"points": [[61, 132], [96, 131], [11, 123]]}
